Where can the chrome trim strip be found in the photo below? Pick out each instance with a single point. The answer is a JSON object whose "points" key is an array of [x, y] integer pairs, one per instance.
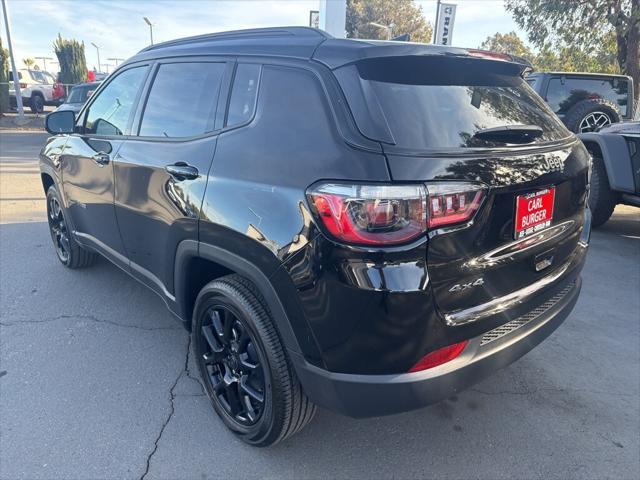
{"points": [[503, 303], [517, 247]]}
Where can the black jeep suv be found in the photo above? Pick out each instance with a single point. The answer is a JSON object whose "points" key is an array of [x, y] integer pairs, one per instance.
{"points": [[366, 226]]}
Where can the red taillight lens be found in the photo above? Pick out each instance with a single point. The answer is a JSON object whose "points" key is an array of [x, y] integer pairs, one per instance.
{"points": [[23, 85], [440, 356], [451, 203], [392, 214], [371, 214]]}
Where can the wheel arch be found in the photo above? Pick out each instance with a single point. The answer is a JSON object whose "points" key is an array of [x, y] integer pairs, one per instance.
{"points": [[47, 181], [227, 262], [615, 156]]}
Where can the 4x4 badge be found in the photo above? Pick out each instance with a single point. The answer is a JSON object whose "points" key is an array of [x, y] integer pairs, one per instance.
{"points": [[459, 287]]}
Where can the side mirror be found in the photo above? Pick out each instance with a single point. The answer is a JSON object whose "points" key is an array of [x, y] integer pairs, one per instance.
{"points": [[60, 122]]}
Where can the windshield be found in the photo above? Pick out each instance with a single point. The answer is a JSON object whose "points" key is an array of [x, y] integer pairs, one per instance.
{"points": [[80, 94], [442, 103]]}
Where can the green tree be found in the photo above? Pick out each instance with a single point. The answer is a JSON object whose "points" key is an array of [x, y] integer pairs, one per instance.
{"points": [[509, 43], [403, 15], [4, 78], [29, 62], [558, 58], [586, 25], [73, 63], [568, 59]]}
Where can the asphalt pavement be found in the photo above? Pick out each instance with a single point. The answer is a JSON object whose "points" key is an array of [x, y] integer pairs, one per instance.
{"points": [[96, 381]]}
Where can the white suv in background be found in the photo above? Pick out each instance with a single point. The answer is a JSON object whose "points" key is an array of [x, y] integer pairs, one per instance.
{"points": [[37, 88]]}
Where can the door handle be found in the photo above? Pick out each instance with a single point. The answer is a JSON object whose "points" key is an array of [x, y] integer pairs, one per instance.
{"points": [[101, 158], [182, 171]]}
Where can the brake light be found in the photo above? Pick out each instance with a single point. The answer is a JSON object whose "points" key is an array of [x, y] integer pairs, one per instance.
{"points": [[371, 214], [489, 55], [439, 357], [23, 85], [451, 203], [385, 215]]}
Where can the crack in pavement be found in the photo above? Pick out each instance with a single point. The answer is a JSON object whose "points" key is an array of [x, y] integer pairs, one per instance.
{"points": [[86, 317], [172, 398]]}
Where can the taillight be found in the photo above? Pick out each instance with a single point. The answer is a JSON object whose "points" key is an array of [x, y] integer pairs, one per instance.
{"points": [[453, 202], [384, 215], [439, 357], [23, 85], [371, 214]]}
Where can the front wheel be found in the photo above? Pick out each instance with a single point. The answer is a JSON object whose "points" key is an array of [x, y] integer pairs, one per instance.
{"points": [[245, 369], [67, 249]]}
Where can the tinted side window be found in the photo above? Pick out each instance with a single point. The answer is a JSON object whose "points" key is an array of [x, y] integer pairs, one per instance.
{"points": [[183, 100], [243, 95], [110, 111], [561, 96]]}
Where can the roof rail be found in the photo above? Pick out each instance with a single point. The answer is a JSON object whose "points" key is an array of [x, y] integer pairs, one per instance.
{"points": [[240, 34]]}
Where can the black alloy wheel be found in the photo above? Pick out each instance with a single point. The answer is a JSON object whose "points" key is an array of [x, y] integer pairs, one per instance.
{"points": [[58, 229], [233, 365], [244, 365]]}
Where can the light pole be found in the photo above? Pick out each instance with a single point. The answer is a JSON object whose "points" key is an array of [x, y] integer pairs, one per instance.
{"points": [[44, 62], [106, 66], [116, 60], [98, 51], [14, 70], [388, 28], [148, 22]]}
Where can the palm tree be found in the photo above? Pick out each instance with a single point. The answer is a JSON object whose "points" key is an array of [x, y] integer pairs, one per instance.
{"points": [[29, 62]]}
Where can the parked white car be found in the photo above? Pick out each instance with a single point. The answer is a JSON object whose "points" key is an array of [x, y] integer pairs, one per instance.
{"points": [[37, 89]]}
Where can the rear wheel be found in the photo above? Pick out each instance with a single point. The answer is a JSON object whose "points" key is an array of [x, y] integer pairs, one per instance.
{"points": [[67, 249], [248, 377], [37, 103], [602, 200]]}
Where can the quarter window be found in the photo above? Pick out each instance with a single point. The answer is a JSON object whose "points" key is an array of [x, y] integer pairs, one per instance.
{"points": [[110, 111], [183, 100], [244, 93]]}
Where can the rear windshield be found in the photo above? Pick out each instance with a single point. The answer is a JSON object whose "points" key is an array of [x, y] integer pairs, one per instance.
{"points": [[564, 93], [441, 103]]}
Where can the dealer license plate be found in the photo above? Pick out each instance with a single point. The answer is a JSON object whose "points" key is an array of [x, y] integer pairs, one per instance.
{"points": [[534, 212]]}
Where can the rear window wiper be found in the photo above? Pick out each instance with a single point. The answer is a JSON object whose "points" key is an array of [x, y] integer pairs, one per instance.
{"points": [[510, 133]]}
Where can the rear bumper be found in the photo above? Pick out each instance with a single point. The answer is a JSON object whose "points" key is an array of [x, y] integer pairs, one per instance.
{"points": [[373, 395]]}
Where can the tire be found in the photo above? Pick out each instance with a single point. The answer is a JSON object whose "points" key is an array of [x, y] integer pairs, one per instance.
{"points": [[602, 200], [591, 115], [232, 329], [37, 103], [69, 252]]}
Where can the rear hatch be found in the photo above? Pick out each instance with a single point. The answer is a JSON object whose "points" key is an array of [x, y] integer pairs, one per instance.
{"points": [[455, 118]]}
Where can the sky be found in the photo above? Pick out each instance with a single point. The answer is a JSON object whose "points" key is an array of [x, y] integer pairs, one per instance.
{"points": [[118, 28]]}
